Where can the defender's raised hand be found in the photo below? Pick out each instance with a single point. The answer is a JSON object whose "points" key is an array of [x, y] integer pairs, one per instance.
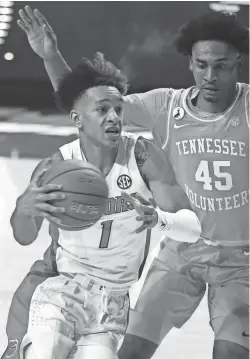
{"points": [[40, 34], [145, 209]]}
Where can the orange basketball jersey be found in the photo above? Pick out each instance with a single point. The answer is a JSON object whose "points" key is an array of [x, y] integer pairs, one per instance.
{"points": [[210, 157]]}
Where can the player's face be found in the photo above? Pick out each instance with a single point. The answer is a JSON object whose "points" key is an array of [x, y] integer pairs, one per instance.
{"points": [[100, 112], [215, 68]]}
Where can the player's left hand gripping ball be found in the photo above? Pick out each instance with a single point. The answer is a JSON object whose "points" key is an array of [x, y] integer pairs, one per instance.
{"points": [[145, 209]]}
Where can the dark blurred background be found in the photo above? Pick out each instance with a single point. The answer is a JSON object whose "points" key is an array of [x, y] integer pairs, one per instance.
{"points": [[137, 36]]}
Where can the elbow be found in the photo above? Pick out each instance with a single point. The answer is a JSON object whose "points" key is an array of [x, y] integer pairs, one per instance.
{"points": [[21, 239], [20, 236]]}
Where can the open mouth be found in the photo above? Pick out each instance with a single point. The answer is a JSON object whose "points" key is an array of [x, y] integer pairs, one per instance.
{"points": [[112, 131]]}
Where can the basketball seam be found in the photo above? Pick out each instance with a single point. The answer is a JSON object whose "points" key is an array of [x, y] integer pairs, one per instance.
{"points": [[66, 227], [68, 215], [84, 193], [71, 170]]}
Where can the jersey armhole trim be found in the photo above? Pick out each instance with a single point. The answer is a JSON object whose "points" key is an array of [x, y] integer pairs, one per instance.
{"points": [[168, 119], [247, 108], [67, 150], [134, 166]]}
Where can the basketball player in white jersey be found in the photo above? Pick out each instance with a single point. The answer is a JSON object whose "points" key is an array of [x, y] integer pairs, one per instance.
{"points": [[87, 305], [203, 131]]}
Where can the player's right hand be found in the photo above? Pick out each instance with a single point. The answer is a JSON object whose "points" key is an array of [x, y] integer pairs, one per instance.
{"points": [[40, 34], [35, 202]]}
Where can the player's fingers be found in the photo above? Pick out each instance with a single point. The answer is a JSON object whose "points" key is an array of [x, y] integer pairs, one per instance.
{"points": [[50, 218], [54, 220], [25, 18], [128, 197], [136, 204], [21, 24], [31, 15], [146, 218], [148, 221], [142, 228], [50, 196], [38, 17], [38, 177], [37, 180], [148, 210], [45, 207], [142, 200], [153, 203], [49, 188], [42, 19]]}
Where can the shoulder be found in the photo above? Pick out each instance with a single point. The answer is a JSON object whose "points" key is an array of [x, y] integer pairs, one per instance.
{"points": [[246, 101], [57, 156], [244, 86], [155, 97], [143, 149], [147, 147], [151, 162]]}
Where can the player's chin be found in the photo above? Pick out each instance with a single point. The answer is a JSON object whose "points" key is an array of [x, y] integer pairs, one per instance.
{"points": [[211, 98], [112, 139]]}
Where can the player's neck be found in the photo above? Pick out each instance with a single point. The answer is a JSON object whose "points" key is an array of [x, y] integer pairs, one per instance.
{"points": [[215, 107], [103, 157]]}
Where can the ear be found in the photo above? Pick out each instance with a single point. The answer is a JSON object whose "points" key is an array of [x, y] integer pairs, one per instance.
{"points": [[190, 63], [75, 118], [240, 62]]}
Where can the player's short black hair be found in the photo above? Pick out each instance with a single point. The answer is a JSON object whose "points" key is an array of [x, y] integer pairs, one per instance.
{"points": [[89, 73], [213, 26]]}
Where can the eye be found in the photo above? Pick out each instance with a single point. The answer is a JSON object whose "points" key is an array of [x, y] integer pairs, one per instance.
{"points": [[201, 65], [221, 66], [102, 110], [118, 110]]}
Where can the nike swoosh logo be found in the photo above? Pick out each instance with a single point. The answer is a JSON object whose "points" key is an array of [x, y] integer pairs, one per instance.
{"points": [[245, 334], [179, 126]]}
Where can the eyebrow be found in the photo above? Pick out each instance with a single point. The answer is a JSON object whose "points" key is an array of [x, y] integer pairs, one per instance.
{"points": [[222, 59], [107, 100], [217, 60]]}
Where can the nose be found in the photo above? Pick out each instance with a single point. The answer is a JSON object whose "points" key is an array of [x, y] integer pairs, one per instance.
{"points": [[112, 116], [210, 75]]}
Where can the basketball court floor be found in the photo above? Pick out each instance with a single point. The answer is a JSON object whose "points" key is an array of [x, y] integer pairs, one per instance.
{"points": [[193, 341]]}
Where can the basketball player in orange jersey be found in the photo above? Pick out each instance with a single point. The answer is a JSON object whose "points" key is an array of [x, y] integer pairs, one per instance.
{"points": [[82, 312], [203, 130]]}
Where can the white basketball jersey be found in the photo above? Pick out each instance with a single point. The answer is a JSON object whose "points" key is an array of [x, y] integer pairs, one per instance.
{"points": [[109, 250]]}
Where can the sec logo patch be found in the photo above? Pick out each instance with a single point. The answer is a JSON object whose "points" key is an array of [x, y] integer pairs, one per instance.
{"points": [[124, 182]]}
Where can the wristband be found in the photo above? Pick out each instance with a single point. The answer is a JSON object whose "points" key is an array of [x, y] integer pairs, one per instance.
{"points": [[165, 220]]}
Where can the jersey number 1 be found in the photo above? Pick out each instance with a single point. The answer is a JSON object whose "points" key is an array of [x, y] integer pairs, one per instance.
{"points": [[106, 229]]}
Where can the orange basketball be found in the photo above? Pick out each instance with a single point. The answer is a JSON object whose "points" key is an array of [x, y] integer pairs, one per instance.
{"points": [[86, 193]]}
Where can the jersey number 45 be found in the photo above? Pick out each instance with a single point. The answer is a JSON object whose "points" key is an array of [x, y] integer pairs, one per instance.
{"points": [[204, 175]]}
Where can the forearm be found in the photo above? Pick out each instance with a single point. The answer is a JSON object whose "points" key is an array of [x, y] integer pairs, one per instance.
{"points": [[25, 228], [56, 68], [182, 226]]}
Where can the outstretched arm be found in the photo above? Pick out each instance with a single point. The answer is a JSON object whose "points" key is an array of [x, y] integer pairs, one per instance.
{"points": [[159, 177], [158, 174], [146, 110], [43, 42]]}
